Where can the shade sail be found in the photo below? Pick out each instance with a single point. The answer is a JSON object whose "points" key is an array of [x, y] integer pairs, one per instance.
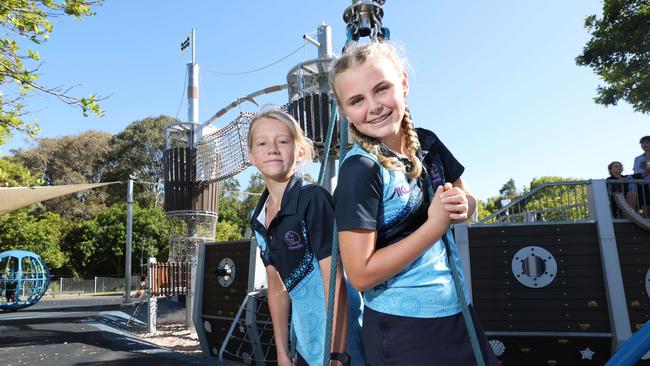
{"points": [[13, 198]]}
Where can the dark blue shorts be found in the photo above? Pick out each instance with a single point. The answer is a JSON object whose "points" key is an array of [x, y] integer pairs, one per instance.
{"points": [[398, 340]]}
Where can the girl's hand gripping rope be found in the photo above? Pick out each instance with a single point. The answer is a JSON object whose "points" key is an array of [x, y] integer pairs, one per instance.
{"points": [[455, 202]]}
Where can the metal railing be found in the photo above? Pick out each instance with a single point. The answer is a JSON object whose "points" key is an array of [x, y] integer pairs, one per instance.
{"points": [[636, 193], [170, 279], [549, 202], [91, 285]]}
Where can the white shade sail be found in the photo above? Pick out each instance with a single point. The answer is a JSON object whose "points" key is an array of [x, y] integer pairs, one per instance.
{"points": [[13, 198]]}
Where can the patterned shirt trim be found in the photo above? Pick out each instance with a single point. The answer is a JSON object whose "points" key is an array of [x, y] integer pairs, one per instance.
{"points": [[305, 267]]}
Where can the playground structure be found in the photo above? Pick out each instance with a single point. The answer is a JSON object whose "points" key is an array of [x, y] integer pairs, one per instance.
{"points": [[567, 284], [24, 279]]}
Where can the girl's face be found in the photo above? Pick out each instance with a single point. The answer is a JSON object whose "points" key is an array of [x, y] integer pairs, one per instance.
{"points": [[373, 98], [274, 152]]}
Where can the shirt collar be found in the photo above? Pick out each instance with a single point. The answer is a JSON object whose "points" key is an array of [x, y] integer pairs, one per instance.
{"points": [[289, 205]]}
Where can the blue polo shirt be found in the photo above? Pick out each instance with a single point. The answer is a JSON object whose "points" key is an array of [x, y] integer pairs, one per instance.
{"points": [[371, 197], [298, 237]]}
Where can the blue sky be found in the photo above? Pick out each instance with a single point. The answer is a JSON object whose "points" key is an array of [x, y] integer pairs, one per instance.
{"points": [[497, 81]]}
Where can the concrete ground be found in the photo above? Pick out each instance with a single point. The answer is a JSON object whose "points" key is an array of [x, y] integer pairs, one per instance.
{"points": [[86, 331]]}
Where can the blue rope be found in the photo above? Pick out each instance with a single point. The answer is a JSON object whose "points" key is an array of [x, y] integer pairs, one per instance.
{"points": [[478, 354], [473, 338], [335, 242], [327, 145]]}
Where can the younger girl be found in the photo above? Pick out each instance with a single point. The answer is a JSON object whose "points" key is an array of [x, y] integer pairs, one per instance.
{"points": [[293, 225], [391, 223]]}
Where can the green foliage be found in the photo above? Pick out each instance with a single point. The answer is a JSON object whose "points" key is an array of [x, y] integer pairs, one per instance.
{"points": [[30, 21], [235, 207], [98, 245], [227, 231], [15, 175], [490, 206], [619, 52], [558, 202], [255, 185], [41, 235], [138, 151], [509, 190], [566, 202], [57, 161]]}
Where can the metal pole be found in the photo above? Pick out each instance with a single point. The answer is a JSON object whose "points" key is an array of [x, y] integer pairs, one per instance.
{"points": [[193, 117], [193, 85], [614, 289], [152, 302], [324, 36], [129, 225]]}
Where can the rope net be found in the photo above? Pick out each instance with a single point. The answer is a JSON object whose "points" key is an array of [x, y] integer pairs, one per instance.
{"points": [[248, 341], [222, 154]]}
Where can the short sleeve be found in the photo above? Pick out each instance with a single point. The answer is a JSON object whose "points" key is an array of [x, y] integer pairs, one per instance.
{"points": [[638, 165], [432, 145], [358, 195], [319, 219]]}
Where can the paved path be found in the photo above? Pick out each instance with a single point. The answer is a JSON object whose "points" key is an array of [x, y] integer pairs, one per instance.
{"points": [[80, 331]]}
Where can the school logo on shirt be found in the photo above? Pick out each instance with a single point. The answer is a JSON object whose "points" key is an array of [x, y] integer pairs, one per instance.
{"points": [[292, 239], [436, 177]]}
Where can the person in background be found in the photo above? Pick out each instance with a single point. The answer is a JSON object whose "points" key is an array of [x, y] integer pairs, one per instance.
{"points": [[615, 169], [642, 171]]}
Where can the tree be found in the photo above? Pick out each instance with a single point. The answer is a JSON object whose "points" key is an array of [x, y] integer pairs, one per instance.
{"points": [[71, 159], [490, 206], [556, 202], [619, 52], [98, 245], [138, 151], [227, 231], [15, 175], [509, 190], [39, 234], [30, 21], [255, 185], [234, 212]]}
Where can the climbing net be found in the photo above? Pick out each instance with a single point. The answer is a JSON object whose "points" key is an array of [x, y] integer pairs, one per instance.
{"points": [[222, 154], [250, 337]]}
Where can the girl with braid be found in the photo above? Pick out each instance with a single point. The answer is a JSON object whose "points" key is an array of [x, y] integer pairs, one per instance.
{"points": [[398, 191]]}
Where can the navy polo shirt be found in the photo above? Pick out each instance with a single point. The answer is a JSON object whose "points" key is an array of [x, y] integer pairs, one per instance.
{"points": [[297, 238], [300, 232]]}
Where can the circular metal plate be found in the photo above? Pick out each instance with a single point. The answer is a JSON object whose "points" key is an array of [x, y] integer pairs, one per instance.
{"points": [[534, 267], [228, 265]]}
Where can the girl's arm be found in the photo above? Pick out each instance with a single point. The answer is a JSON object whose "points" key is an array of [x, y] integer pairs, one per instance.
{"points": [[367, 267], [340, 323], [279, 308]]}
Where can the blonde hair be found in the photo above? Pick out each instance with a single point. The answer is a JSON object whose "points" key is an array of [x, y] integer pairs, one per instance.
{"points": [[279, 115], [358, 56]]}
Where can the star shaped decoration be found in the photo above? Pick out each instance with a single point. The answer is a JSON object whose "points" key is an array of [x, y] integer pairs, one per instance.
{"points": [[587, 353]]}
